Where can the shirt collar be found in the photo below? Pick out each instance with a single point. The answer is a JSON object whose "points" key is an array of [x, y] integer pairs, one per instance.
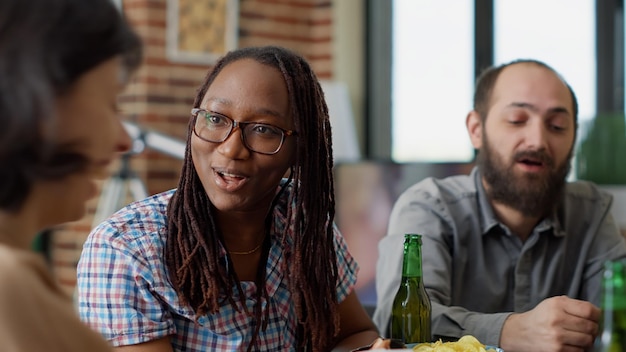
{"points": [[488, 219]]}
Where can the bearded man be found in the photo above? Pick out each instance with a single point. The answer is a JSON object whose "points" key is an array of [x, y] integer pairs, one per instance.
{"points": [[512, 253]]}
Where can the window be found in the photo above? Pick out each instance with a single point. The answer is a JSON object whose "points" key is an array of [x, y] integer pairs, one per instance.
{"points": [[560, 33], [432, 66], [432, 80]]}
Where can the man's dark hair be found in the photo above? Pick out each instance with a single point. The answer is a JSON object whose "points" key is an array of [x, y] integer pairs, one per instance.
{"points": [[487, 80]]}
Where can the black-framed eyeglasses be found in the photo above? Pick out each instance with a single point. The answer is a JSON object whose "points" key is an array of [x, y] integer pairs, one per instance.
{"points": [[261, 138]]}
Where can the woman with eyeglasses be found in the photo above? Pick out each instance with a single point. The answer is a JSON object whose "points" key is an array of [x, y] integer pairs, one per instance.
{"points": [[243, 255], [62, 65]]}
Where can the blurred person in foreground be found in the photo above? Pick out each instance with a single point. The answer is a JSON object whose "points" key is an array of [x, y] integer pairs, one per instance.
{"points": [[62, 65], [243, 254], [512, 253]]}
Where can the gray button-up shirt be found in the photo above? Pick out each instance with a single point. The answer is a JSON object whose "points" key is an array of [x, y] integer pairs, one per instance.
{"points": [[476, 272]]}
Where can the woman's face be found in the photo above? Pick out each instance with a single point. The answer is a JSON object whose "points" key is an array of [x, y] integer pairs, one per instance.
{"points": [[88, 118], [235, 178]]}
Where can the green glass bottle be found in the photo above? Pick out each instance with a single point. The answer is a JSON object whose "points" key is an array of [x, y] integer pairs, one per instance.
{"points": [[612, 336], [410, 312]]}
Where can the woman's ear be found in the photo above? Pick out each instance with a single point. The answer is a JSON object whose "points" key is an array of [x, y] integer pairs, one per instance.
{"points": [[474, 124]]}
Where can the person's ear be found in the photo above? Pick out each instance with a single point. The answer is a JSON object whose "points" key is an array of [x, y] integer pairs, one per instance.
{"points": [[474, 125]]}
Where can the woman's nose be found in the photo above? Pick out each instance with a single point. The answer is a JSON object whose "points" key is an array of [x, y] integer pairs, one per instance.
{"points": [[234, 147]]}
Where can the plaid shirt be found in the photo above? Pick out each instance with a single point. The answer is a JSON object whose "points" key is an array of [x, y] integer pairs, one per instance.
{"points": [[125, 294]]}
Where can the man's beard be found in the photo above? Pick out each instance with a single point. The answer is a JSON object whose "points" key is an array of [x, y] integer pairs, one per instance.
{"points": [[533, 195]]}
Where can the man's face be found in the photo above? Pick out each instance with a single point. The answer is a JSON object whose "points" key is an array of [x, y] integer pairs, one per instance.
{"points": [[533, 194], [526, 141]]}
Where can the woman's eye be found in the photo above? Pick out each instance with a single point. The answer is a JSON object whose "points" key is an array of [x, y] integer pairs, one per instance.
{"points": [[215, 119], [265, 130]]}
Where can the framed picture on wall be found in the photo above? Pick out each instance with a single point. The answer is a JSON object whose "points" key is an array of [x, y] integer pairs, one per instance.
{"points": [[201, 31]]}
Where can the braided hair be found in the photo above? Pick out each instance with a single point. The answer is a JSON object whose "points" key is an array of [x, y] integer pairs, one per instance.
{"points": [[192, 251]]}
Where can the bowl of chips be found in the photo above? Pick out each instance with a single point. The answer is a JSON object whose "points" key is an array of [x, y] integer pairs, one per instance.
{"points": [[467, 343]]}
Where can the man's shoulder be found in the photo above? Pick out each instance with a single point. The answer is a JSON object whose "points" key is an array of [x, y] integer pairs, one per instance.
{"points": [[585, 192], [585, 201]]}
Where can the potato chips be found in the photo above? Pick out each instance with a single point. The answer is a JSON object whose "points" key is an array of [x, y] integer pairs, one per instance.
{"points": [[467, 343]]}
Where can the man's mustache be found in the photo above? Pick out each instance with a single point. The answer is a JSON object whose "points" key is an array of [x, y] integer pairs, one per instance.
{"points": [[534, 155]]}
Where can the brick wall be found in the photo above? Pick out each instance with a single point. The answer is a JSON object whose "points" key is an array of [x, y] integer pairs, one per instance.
{"points": [[162, 92]]}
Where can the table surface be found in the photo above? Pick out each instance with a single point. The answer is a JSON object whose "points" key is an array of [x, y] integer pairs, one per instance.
{"points": [[489, 348]]}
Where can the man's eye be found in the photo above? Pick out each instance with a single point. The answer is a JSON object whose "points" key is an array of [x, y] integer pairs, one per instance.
{"points": [[517, 117]]}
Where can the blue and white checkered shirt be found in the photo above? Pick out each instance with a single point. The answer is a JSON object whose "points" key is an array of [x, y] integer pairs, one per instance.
{"points": [[125, 294]]}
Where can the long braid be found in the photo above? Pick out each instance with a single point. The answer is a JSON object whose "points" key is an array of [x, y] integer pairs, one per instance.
{"points": [[187, 245], [192, 250], [315, 275]]}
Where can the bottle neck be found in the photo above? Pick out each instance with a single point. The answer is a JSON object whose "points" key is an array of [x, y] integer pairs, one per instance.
{"points": [[614, 287], [412, 262]]}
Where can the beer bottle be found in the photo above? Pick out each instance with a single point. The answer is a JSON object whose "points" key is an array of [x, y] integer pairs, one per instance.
{"points": [[410, 312], [612, 336]]}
